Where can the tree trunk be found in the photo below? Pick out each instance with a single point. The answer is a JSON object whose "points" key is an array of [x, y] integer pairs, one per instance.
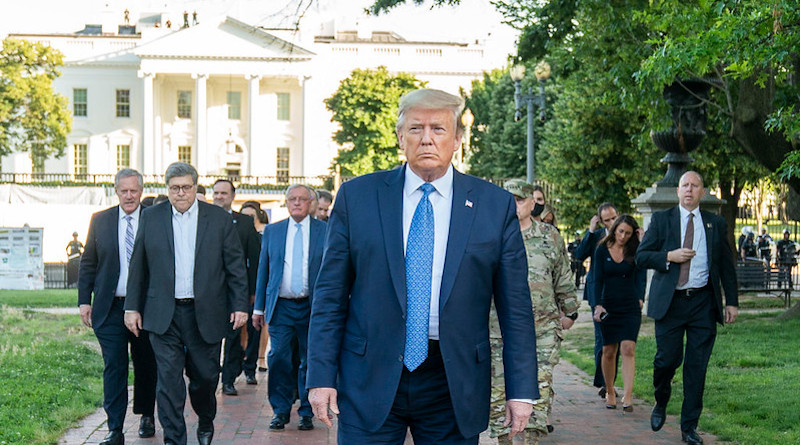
{"points": [[754, 105], [792, 312], [730, 191]]}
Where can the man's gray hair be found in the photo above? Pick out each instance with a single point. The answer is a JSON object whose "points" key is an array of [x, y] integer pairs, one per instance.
{"points": [[311, 193], [429, 99], [180, 169], [127, 173]]}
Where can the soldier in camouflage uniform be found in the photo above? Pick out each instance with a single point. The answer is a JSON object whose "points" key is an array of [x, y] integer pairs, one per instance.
{"points": [[555, 307]]}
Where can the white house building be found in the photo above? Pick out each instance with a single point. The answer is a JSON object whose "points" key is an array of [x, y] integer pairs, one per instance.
{"points": [[225, 96]]}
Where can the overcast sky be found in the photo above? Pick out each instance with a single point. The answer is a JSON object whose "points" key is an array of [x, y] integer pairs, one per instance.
{"points": [[474, 19]]}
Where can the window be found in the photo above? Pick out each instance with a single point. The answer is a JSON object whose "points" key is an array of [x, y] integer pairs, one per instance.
{"points": [[79, 107], [123, 103], [81, 162], [185, 153], [234, 105], [283, 106], [185, 104], [37, 159], [123, 156], [283, 165]]}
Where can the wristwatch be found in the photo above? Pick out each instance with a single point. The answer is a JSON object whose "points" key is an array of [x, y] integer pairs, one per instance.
{"points": [[573, 316]]}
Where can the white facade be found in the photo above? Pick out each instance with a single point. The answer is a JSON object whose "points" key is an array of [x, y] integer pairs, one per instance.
{"points": [[207, 62]]}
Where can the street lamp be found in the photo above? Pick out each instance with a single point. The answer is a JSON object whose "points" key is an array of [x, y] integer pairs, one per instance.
{"points": [[542, 73], [467, 119]]}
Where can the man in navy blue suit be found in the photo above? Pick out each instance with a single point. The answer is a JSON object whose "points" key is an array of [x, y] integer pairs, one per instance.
{"points": [[605, 217], [399, 334], [688, 250], [104, 274], [291, 253]]}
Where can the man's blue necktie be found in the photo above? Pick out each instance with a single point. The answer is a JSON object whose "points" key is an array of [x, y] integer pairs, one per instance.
{"points": [[128, 238], [297, 261], [419, 269]]}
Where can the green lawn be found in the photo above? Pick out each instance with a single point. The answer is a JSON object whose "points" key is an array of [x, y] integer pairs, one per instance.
{"points": [[39, 298], [753, 379], [50, 375]]}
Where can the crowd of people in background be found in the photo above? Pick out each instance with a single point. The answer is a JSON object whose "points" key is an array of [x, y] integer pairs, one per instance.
{"points": [[408, 302]]}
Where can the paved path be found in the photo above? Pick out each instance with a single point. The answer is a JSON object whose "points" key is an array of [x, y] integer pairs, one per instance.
{"points": [[579, 416]]}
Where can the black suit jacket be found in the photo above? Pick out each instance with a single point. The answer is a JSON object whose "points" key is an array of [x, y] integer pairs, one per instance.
{"points": [[99, 269], [220, 280], [250, 247], [585, 250], [664, 235]]}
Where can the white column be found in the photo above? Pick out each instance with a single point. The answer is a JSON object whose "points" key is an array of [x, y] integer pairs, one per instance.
{"points": [[147, 153], [201, 164], [254, 135]]}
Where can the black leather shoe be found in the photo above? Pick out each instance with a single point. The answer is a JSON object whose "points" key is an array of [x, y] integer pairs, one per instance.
{"points": [[279, 421], [691, 437], [657, 417], [204, 435], [229, 390], [262, 369], [114, 437], [147, 427], [305, 424], [602, 392], [251, 380]]}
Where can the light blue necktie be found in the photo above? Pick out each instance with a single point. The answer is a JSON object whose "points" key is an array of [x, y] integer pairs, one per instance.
{"points": [[128, 238], [297, 261], [419, 268]]}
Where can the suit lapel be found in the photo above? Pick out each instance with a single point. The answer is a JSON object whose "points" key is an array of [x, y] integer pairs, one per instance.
{"points": [[113, 228], [202, 225], [458, 236], [167, 218], [709, 230], [278, 243], [390, 209]]}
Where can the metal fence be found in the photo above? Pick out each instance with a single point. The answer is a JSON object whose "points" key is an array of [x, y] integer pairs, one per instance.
{"points": [[55, 276]]}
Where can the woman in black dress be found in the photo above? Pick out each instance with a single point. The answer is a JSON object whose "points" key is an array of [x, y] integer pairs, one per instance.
{"points": [[620, 286]]}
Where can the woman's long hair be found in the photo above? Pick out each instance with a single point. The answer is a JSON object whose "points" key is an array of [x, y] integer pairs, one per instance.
{"points": [[633, 242]]}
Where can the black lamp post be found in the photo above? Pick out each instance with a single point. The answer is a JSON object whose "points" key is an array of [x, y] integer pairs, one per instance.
{"points": [[542, 73]]}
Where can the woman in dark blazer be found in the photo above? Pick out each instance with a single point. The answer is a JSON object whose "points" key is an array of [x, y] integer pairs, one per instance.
{"points": [[619, 287]]}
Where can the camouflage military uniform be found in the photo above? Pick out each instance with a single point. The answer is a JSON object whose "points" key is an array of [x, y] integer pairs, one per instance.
{"points": [[552, 291]]}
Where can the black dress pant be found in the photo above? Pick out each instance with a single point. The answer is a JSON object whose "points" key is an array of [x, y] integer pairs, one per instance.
{"points": [[182, 346], [422, 405], [691, 317], [114, 339], [235, 358]]}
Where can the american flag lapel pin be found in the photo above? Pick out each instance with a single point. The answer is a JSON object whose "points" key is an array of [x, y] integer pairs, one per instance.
{"points": [[468, 203]]}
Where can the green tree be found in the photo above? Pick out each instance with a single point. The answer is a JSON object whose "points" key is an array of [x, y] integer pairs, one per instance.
{"points": [[33, 117], [497, 143], [365, 106]]}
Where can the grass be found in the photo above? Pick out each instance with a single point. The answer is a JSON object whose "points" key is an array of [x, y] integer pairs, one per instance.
{"points": [[39, 298], [50, 377], [761, 302], [752, 384]]}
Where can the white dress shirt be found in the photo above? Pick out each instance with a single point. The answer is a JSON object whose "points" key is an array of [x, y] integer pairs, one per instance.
{"points": [[288, 255], [184, 231], [442, 202], [122, 226], [698, 268]]}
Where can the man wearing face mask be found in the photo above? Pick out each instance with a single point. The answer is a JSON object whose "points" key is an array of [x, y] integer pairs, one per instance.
{"points": [[555, 307]]}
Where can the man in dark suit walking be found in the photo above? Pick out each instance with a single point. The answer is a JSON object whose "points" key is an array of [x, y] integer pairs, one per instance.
{"points": [[693, 263], [104, 275], [291, 253], [399, 334], [235, 359], [186, 284], [598, 229]]}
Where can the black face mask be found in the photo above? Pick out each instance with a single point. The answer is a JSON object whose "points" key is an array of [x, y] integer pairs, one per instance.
{"points": [[537, 210]]}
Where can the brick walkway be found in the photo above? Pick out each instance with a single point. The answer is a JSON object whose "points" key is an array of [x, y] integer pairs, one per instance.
{"points": [[579, 416]]}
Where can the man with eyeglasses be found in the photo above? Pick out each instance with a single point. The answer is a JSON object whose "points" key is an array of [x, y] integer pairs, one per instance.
{"points": [[186, 298], [291, 254]]}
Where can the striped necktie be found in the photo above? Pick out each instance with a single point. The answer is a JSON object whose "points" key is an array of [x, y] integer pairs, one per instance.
{"points": [[128, 238]]}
